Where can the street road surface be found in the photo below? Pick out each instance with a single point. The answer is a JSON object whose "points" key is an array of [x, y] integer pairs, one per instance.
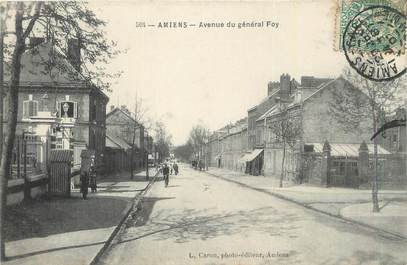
{"points": [[200, 219]]}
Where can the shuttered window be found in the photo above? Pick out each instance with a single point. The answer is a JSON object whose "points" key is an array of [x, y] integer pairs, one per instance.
{"points": [[30, 108]]}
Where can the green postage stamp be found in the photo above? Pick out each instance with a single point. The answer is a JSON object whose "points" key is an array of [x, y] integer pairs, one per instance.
{"points": [[372, 35]]}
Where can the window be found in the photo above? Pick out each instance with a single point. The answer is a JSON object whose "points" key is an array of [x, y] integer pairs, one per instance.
{"points": [[394, 141], [30, 107], [68, 109]]}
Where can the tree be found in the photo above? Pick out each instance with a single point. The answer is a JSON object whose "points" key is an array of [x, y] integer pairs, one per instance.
{"points": [[198, 137], [58, 21], [140, 121], [162, 140], [184, 151], [286, 127], [376, 101]]}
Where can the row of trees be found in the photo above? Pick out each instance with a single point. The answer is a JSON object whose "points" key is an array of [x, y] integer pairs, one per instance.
{"points": [[195, 146]]}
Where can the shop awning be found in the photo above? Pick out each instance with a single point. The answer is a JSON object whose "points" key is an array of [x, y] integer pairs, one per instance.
{"points": [[250, 156], [348, 150]]}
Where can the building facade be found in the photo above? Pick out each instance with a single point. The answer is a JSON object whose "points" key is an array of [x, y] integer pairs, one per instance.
{"points": [[61, 107]]}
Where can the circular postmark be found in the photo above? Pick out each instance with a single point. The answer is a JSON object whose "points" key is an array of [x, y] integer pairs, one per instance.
{"points": [[374, 43]]}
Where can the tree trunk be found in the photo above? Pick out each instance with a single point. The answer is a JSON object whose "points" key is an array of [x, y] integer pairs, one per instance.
{"points": [[132, 153], [282, 166], [1, 85], [375, 188], [11, 123]]}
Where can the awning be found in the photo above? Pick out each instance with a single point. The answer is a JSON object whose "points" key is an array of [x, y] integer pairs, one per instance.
{"points": [[348, 150], [250, 156]]}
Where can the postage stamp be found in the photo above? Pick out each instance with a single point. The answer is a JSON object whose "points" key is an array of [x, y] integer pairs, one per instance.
{"points": [[346, 10], [374, 43]]}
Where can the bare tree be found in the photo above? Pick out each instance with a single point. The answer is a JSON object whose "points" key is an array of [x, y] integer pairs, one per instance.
{"points": [[376, 100], [198, 136], [58, 21], [141, 123], [163, 140], [286, 128]]}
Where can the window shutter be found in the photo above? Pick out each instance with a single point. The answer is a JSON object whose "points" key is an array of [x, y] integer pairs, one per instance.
{"points": [[75, 110], [25, 109], [35, 108], [59, 114]]}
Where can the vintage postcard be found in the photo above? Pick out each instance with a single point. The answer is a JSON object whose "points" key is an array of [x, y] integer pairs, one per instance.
{"points": [[203, 132]]}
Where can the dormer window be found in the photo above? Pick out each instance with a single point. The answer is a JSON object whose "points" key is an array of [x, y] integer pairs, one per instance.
{"points": [[30, 107]]}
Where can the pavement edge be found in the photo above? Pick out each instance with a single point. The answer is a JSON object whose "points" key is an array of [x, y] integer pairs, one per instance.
{"points": [[126, 212]]}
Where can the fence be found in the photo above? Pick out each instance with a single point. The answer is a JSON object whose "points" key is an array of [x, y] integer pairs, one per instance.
{"points": [[28, 157]]}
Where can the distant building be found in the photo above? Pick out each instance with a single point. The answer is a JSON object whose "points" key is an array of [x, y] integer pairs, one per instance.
{"points": [[121, 125]]}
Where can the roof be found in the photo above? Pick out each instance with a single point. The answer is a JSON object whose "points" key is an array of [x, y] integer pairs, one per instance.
{"points": [[35, 72], [320, 88], [116, 142], [61, 156], [274, 109], [34, 68], [116, 110], [307, 94], [347, 150]]}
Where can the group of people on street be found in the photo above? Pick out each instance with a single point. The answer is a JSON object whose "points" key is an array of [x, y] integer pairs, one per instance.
{"points": [[198, 165], [88, 178], [167, 169]]}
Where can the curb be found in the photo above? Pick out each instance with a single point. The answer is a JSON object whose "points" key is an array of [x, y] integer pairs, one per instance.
{"points": [[126, 213], [340, 217]]}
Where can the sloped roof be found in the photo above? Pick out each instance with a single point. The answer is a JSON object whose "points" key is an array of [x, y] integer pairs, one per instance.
{"points": [[347, 150], [274, 109], [119, 110], [116, 142], [35, 69]]}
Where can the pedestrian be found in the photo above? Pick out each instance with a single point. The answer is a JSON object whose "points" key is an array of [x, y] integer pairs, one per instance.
{"points": [[175, 166], [93, 176], [166, 172], [84, 183], [200, 165]]}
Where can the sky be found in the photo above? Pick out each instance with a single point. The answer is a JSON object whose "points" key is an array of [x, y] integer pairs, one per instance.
{"points": [[212, 76]]}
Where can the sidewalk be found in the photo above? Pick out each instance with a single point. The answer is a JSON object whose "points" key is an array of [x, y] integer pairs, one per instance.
{"points": [[350, 204], [70, 230]]}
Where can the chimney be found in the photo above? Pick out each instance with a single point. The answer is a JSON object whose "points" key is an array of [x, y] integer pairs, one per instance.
{"points": [[285, 86], [111, 107], [35, 41], [74, 54]]}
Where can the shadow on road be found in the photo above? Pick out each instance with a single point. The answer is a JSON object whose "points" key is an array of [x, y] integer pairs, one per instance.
{"points": [[192, 224]]}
